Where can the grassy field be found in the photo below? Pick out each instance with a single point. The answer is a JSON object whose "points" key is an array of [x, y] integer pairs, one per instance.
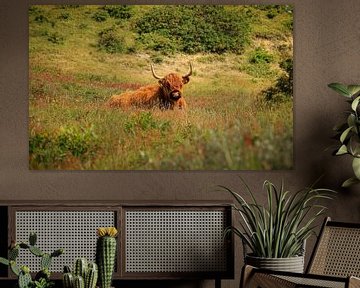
{"points": [[229, 125]]}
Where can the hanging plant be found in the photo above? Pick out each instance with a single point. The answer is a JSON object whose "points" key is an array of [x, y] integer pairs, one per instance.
{"points": [[348, 132]]}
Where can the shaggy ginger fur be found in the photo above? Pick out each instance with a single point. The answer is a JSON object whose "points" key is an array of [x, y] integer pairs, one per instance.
{"points": [[167, 94]]}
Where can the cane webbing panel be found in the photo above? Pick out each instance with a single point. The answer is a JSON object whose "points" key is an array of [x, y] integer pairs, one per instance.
{"points": [[313, 282], [74, 231], [175, 241], [338, 252]]}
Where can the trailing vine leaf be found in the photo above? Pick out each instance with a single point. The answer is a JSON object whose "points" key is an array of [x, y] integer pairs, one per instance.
{"points": [[342, 150], [351, 181], [349, 131], [356, 167], [355, 103]]}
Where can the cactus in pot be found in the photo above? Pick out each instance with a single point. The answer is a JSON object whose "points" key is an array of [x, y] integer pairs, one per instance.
{"points": [[106, 254], [85, 275], [42, 278]]}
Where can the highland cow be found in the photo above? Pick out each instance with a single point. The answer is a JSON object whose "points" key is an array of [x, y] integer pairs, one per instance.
{"points": [[167, 94]]}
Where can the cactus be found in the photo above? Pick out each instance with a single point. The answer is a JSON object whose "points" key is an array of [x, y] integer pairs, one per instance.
{"points": [[79, 282], [80, 267], [32, 238], [23, 273], [36, 251], [43, 274], [105, 254], [91, 276], [13, 253], [24, 278], [88, 273], [57, 252], [68, 280], [45, 261]]}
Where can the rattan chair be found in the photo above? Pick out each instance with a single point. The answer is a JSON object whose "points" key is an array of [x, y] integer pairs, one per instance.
{"points": [[335, 262]]}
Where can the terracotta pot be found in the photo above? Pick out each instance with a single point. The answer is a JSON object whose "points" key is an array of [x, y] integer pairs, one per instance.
{"points": [[291, 264]]}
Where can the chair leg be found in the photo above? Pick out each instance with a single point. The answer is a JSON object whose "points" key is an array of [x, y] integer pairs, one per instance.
{"points": [[217, 283]]}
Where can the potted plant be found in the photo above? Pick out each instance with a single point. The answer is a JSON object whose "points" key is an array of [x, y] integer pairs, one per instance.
{"points": [[276, 233], [42, 278], [84, 274], [348, 132]]}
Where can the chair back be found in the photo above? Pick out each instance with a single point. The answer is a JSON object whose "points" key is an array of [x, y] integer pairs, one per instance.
{"points": [[337, 251]]}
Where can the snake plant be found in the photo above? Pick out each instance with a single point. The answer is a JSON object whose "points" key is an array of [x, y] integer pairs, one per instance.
{"points": [[279, 228]]}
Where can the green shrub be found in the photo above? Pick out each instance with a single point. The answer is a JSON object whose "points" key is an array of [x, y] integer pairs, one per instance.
{"points": [[283, 88], [100, 16], [55, 38], [259, 70], [50, 150], [143, 122], [196, 28], [158, 42], [119, 11], [111, 42], [34, 10], [41, 19], [260, 55], [64, 16]]}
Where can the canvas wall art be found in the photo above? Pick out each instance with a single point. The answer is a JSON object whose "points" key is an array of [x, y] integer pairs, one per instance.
{"points": [[160, 87]]}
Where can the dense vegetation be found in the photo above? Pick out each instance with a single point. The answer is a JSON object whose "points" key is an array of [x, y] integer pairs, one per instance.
{"points": [[239, 97]]}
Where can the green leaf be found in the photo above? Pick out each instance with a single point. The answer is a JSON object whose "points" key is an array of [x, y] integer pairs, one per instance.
{"points": [[351, 120], [356, 167], [341, 89], [353, 89], [342, 150], [355, 103], [349, 182], [32, 238], [14, 268], [345, 134], [4, 261]]}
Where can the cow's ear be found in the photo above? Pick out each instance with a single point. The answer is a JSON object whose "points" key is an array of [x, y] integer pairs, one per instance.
{"points": [[186, 79]]}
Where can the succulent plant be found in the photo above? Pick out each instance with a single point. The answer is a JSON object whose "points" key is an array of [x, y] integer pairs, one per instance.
{"points": [[106, 254], [42, 278], [85, 275]]}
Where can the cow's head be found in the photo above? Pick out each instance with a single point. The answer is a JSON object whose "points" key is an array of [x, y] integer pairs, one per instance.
{"points": [[172, 84]]}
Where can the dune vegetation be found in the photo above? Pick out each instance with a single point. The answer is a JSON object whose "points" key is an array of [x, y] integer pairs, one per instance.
{"points": [[240, 102]]}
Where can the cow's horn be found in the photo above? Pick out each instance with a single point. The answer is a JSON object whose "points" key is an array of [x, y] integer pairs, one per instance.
{"points": [[153, 72], [190, 71]]}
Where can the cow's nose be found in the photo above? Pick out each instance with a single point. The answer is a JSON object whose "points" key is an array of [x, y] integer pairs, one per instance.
{"points": [[175, 95]]}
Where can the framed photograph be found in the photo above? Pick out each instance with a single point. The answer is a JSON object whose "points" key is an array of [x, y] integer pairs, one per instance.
{"points": [[160, 87]]}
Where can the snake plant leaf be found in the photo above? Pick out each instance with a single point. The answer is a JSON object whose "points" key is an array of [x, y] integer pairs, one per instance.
{"points": [[355, 103], [356, 167], [340, 88], [345, 90], [342, 150], [349, 182]]}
